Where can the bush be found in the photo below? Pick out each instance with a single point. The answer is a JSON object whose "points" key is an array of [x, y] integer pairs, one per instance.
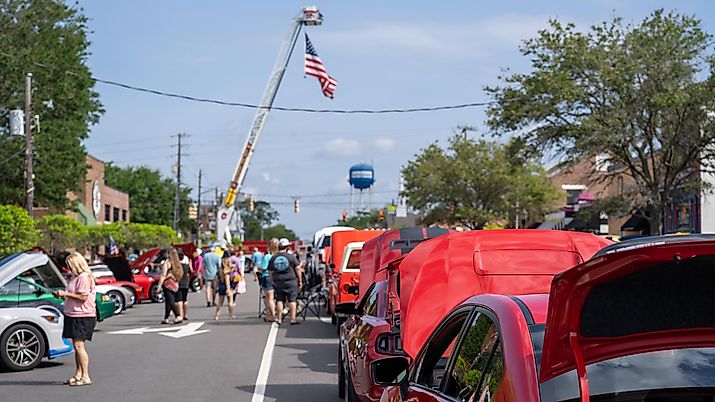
{"points": [[60, 232], [17, 230], [138, 236]]}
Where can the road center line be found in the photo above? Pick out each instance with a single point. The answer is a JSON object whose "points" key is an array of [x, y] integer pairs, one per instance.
{"points": [[262, 379]]}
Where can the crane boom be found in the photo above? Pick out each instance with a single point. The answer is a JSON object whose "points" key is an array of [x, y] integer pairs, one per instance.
{"points": [[226, 212]]}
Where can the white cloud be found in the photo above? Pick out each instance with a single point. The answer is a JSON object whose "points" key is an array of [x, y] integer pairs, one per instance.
{"points": [[340, 148], [477, 39], [270, 179], [384, 144]]}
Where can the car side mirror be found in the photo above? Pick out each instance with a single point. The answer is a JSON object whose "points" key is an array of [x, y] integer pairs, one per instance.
{"points": [[390, 370], [347, 308]]}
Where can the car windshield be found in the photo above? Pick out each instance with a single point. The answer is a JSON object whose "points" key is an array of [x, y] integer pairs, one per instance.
{"points": [[670, 375]]}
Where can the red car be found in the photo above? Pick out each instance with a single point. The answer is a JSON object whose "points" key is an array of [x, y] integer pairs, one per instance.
{"points": [[340, 282], [373, 321], [148, 264], [634, 323], [458, 265], [119, 265], [104, 276]]}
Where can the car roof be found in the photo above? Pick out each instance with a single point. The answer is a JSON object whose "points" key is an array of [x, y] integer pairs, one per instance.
{"points": [[649, 241]]}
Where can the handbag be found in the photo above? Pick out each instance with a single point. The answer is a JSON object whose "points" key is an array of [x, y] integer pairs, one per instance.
{"points": [[241, 287], [170, 283]]}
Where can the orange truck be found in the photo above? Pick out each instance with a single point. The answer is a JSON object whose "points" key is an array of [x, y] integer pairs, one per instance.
{"points": [[345, 250]]}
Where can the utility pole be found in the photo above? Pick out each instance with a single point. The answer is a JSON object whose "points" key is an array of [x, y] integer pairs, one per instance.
{"points": [[28, 144], [177, 196], [198, 201]]}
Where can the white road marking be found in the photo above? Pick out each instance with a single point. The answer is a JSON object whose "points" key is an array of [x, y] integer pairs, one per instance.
{"points": [[262, 379], [326, 320], [182, 331]]}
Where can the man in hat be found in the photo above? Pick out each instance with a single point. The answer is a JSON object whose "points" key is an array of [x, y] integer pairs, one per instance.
{"points": [[285, 272]]}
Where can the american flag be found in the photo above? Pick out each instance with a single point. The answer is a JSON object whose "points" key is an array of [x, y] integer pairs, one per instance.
{"points": [[113, 249], [314, 67]]}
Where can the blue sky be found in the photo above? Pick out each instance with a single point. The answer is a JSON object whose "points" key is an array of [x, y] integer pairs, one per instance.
{"points": [[383, 54]]}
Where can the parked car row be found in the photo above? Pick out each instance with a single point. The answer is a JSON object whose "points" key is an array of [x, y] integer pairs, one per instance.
{"points": [[529, 315]]}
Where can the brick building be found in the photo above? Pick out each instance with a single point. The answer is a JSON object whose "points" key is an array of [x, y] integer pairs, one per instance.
{"points": [[98, 203]]}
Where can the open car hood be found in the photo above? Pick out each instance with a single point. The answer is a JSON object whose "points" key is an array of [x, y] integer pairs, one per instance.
{"points": [[638, 299], [390, 246], [443, 272], [119, 265], [145, 258]]}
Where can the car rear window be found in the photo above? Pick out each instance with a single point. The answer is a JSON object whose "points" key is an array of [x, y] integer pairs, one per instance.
{"points": [[353, 264], [668, 296], [663, 376]]}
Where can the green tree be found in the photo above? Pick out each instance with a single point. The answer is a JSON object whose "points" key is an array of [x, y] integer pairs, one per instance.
{"points": [[54, 34], [635, 96], [17, 230], [60, 232], [363, 220], [279, 231], [475, 182], [255, 222], [138, 236], [151, 197]]}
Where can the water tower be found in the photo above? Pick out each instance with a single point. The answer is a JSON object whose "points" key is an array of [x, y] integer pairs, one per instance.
{"points": [[361, 177]]}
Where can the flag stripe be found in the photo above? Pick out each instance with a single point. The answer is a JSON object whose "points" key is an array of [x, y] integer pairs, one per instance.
{"points": [[315, 68]]}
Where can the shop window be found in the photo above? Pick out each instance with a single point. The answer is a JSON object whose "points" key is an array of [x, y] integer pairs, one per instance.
{"points": [[115, 214], [107, 212]]}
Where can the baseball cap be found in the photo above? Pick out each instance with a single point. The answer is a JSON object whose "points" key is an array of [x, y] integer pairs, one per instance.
{"points": [[283, 242]]}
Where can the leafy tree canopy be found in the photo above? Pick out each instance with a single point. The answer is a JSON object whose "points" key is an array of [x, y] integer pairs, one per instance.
{"points": [[279, 231], [151, 197], [17, 230], [636, 96], [475, 182], [54, 34], [61, 232], [255, 222], [363, 220]]}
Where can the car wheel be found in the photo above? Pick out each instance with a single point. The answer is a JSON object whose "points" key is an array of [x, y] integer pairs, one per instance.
{"points": [[341, 374], [133, 297], [350, 395], [156, 294], [118, 299], [196, 285], [22, 347]]}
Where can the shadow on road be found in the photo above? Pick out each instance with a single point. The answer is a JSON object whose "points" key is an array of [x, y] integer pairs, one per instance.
{"points": [[298, 392], [310, 329], [317, 357]]}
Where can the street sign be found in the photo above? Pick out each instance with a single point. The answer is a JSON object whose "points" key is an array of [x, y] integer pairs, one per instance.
{"points": [[181, 332]]}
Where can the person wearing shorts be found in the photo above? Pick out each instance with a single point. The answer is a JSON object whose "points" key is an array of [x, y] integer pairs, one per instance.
{"points": [[182, 296], [80, 311], [284, 272], [212, 263]]}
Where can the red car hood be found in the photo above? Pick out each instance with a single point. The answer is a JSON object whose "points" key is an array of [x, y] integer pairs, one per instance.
{"points": [[636, 300], [145, 258], [391, 245], [441, 273]]}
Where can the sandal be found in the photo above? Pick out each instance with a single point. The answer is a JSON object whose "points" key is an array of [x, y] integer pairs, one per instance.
{"points": [[80, 383], [178, 322], [295, 323], [71, 381], [165, 322]]}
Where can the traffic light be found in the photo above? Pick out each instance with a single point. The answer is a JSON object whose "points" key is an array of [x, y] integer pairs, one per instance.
{"points": [[296, 206], [251, 204], [380, 215], [345, 216], [193, 212]]}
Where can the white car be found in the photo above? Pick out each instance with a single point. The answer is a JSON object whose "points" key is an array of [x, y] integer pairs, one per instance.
{"points": [[28, 334], [122, 297]]}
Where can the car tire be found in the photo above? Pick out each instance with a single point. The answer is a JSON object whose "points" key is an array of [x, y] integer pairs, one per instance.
{"points": [[156, 294], [350, 395], [134, 296], [341, 374], [196, 285], [22, 347], [118, 299]]}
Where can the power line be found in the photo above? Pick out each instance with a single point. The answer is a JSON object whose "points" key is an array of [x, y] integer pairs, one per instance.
{"points": [[254, 106]]}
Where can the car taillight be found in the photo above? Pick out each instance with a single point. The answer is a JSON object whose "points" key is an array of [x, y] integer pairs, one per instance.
{"points": [[389, 344]]}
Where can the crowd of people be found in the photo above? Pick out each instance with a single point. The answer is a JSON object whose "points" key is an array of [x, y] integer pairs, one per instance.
{"points": [[222, 273]]}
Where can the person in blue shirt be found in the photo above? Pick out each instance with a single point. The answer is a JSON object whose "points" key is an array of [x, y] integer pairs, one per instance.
{"points": [[256, 258], [212, 263], [265, 280]]}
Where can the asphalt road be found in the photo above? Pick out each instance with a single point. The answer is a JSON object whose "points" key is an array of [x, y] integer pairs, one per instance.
{"points": [[221, 364]]}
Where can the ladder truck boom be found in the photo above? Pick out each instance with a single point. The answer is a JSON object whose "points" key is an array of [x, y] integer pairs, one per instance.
{"points": [[226, 213]]}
